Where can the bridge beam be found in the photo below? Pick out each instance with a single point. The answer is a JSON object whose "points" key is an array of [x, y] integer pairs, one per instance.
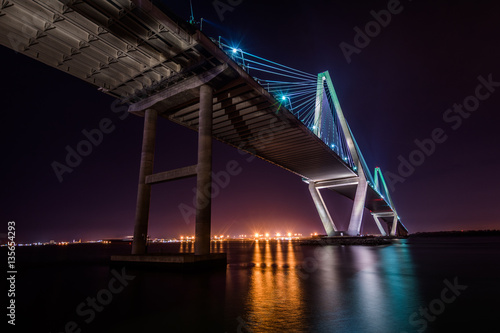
{"points": [[331, 183], [181, 173], [167, 94], [393, 227], [144, 189], [323, 212], [204, 170]]}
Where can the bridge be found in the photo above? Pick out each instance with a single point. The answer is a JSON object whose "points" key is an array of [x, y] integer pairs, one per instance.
{"points": [[162, 66]]}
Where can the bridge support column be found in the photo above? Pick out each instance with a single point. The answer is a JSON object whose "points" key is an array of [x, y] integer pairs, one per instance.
{"points": [[204, 173], [379, 225], [358, 206], [144, 189], [323, 212], [394, 228]]}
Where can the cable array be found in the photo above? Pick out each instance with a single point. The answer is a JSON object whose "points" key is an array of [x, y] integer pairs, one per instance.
{"points": [[312, 100], [297, 92]]}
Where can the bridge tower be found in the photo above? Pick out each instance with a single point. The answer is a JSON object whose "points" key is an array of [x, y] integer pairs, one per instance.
{"points": [[327, 101], [341, 140]]}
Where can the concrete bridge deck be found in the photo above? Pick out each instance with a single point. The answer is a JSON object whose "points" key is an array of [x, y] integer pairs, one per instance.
{"points": [[150, 59]]}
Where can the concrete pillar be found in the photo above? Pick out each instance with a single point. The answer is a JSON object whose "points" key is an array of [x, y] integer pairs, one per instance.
{"points": [[323, 212], [379, 225], [204, 173], [144, 190], [394, 225], [318, 111], [359, 205]]}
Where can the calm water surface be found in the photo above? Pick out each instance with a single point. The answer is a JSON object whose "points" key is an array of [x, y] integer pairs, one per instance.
{"points": [[268, 287]]}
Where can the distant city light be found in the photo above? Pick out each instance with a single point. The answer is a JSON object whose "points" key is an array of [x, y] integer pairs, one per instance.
{"points": [[185, 240]]}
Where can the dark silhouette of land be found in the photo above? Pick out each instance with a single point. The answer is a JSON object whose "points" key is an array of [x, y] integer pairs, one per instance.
{"points": [[457, 233]]}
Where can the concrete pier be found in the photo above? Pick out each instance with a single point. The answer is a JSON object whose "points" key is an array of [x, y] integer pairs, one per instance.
{"points": [[144, 190], [324, 214], [201, 258], [174, 261], [204, 170], [358, 206]]}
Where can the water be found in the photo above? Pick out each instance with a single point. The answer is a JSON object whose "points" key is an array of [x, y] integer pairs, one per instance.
{"points": [[267, 287]]}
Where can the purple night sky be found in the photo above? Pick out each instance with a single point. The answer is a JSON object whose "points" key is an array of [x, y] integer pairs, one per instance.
{"points": [[396, 89]]}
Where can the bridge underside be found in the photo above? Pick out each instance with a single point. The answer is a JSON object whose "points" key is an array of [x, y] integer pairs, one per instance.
{"points": [[152, 60], [247, 117]]}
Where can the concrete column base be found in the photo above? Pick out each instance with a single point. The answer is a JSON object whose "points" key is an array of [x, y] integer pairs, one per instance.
{"points": [[175, 261]]}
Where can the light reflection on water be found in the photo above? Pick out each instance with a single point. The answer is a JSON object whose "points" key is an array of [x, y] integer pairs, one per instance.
{"points": [[268, 287], [326, 288], [274, 288], [186, 247]]}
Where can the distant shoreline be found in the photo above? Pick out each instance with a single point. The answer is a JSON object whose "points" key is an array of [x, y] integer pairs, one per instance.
{"points": [[346, 240], [464, 233]]}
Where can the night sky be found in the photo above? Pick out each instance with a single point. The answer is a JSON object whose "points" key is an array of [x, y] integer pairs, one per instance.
{"points": [[395, 90]]}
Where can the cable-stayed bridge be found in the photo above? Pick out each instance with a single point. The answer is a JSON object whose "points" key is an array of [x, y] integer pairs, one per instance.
{"points": [[161, 65]]}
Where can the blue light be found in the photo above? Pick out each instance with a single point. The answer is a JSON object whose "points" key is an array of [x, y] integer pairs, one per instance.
{"points": [[314, 126], [235, 50], [283, 98]]}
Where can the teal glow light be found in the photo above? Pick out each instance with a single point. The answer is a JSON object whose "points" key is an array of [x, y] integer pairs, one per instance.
{"points": [[379, 175]]}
